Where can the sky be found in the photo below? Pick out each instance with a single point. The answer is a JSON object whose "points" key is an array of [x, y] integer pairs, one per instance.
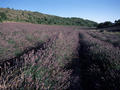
{"points": [[96, 10]]}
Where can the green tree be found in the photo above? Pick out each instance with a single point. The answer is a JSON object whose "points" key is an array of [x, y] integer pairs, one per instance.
{"points": [[105, 24], [0, 19], [117, 22], [3, 16]]}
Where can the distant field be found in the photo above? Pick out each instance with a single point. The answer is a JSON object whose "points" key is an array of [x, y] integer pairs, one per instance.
{"points": [[44, 57]]}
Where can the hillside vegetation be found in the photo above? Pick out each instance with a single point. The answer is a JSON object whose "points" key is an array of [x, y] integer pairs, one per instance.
{"points": [[7, 14]]}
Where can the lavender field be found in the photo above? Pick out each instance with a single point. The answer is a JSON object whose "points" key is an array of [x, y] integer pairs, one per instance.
{"points": [[44, 57]]}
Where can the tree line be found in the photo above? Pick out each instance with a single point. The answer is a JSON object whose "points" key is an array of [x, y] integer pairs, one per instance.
{"points": [[109, 24]]}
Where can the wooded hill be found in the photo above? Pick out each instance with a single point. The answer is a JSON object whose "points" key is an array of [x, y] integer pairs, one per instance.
{"points": [[7, 14]]}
